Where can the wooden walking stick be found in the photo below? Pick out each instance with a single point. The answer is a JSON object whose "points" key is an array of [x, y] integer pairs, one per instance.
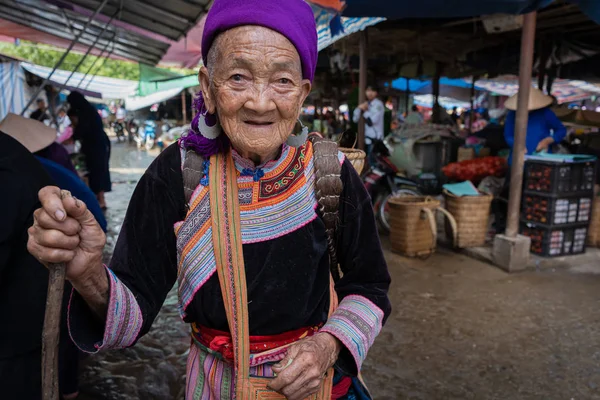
{"points": [[51, 333]]}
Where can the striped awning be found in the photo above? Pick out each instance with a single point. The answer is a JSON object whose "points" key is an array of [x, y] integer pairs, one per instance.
{"points": [[97, 86], [331, 27], [15, 91]]}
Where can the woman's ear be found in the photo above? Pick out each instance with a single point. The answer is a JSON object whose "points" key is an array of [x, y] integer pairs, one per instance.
{"points": [[306, 88], [204, 81]]}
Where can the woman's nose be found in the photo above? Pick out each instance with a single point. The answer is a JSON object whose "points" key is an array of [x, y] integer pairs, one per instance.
{"points": [[261, 100]]}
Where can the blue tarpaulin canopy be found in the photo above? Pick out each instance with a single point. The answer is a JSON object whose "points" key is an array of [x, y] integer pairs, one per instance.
{"points": [[455, 8], [416, 85]]}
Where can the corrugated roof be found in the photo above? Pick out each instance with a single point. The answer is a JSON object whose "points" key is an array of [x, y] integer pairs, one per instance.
{"points": [[140, 31]]}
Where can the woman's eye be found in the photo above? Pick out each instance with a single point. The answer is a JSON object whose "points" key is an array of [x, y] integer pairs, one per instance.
{"points": [[236, 78], [284, 81]]}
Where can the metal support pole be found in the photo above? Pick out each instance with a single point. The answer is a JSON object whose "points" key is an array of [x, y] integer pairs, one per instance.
{"points": [[65, 54], [183, 106], [100, 67], [407, 97], [472, 104], [88, 51], [522, 117], [544, 56], [435, 116], [95, 61], [362, 86]]}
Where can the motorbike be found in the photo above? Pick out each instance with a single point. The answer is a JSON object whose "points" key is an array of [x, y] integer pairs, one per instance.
{"points": [[383, 181], [146, 136], [132, 126], [118, 128]]}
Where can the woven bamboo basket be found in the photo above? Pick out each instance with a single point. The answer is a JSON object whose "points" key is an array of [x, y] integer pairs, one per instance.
{"points": [[472, 215], [594, 229], [356, 158], [413, 228]]}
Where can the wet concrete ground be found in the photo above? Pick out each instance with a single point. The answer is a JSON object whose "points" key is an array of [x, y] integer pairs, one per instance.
{"points": [[460, 329]]}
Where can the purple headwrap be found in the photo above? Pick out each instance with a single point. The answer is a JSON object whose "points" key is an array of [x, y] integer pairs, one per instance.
{"points": [[293, 19]]}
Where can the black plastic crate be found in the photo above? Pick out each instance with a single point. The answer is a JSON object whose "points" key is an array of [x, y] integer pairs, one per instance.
{"points": [[556, 210], [559, 178], [556, 241]]}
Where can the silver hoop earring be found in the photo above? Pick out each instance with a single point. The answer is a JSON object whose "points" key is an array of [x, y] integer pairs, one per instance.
{"points": [[209, 126], [300, 139]]}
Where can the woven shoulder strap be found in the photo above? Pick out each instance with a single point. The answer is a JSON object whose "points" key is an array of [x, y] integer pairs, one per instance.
{"points": [[328, 189]]}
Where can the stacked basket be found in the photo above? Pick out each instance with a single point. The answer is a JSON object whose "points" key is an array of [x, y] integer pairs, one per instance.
{"points": [[472, 215], [413, 228]]}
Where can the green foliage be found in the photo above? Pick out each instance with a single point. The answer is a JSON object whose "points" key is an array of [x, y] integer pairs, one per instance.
{"points": [[48, 56]]}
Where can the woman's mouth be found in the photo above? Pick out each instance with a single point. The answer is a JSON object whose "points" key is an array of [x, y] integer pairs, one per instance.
{"points": [[258, 123]]}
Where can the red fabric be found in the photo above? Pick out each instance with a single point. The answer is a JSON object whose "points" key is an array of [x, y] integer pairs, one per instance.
{"points": [[341, 389], [336, 5], [187, 52], [220, 341]]}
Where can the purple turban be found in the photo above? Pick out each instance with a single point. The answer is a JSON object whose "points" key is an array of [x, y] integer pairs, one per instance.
{"points": [[292, 18]]}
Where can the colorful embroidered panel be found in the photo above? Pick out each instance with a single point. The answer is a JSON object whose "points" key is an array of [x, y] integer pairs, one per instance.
{"points": [[277, 201]]}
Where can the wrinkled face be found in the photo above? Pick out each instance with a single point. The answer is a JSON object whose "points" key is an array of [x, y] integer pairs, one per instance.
{"points": [[254, 83]]}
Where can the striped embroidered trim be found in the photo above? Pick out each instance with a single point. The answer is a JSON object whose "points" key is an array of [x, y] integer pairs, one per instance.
{"points": [[124, 318], [356, 323], [209, 377]]}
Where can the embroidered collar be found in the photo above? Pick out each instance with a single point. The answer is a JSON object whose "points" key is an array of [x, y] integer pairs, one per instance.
{"points": [[247, 168]]}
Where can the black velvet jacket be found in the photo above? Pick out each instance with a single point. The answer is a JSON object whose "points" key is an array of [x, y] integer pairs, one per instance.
{"points": [[278, 271]]}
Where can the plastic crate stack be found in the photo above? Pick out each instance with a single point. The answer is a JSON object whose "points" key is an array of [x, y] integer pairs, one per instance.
{"points": [[556, 207]]}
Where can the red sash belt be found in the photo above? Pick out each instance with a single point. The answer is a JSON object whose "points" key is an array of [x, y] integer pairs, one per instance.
{"points": [[220, 341]]}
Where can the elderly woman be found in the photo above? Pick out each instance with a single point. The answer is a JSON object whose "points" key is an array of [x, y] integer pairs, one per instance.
{"points": [[251, 250]]}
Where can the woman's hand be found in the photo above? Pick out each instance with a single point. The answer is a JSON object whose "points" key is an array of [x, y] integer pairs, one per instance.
{"points": [[65, 231], [544, 144], [301, 372]]}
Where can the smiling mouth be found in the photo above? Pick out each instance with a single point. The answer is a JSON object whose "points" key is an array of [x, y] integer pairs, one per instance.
{"points": [[259, 123]]}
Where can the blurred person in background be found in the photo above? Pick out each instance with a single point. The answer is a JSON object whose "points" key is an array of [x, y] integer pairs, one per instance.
{"points": [[95, 144], [414, 117], [41, 113], [543, 130], [63, 120], [373, 112]]}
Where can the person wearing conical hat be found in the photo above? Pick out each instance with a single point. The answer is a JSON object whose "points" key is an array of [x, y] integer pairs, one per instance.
{"points": [[543, 128]]}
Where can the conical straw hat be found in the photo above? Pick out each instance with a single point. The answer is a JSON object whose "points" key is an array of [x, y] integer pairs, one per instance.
{"points": [[32, 134], [537, 100]]}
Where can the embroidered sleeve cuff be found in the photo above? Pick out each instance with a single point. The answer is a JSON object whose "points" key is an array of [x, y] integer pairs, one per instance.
{"points": [[356, 323], [123, 320]]}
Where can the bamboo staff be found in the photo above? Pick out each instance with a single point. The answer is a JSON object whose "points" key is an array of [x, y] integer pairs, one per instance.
{"points": [[51, 332]]}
